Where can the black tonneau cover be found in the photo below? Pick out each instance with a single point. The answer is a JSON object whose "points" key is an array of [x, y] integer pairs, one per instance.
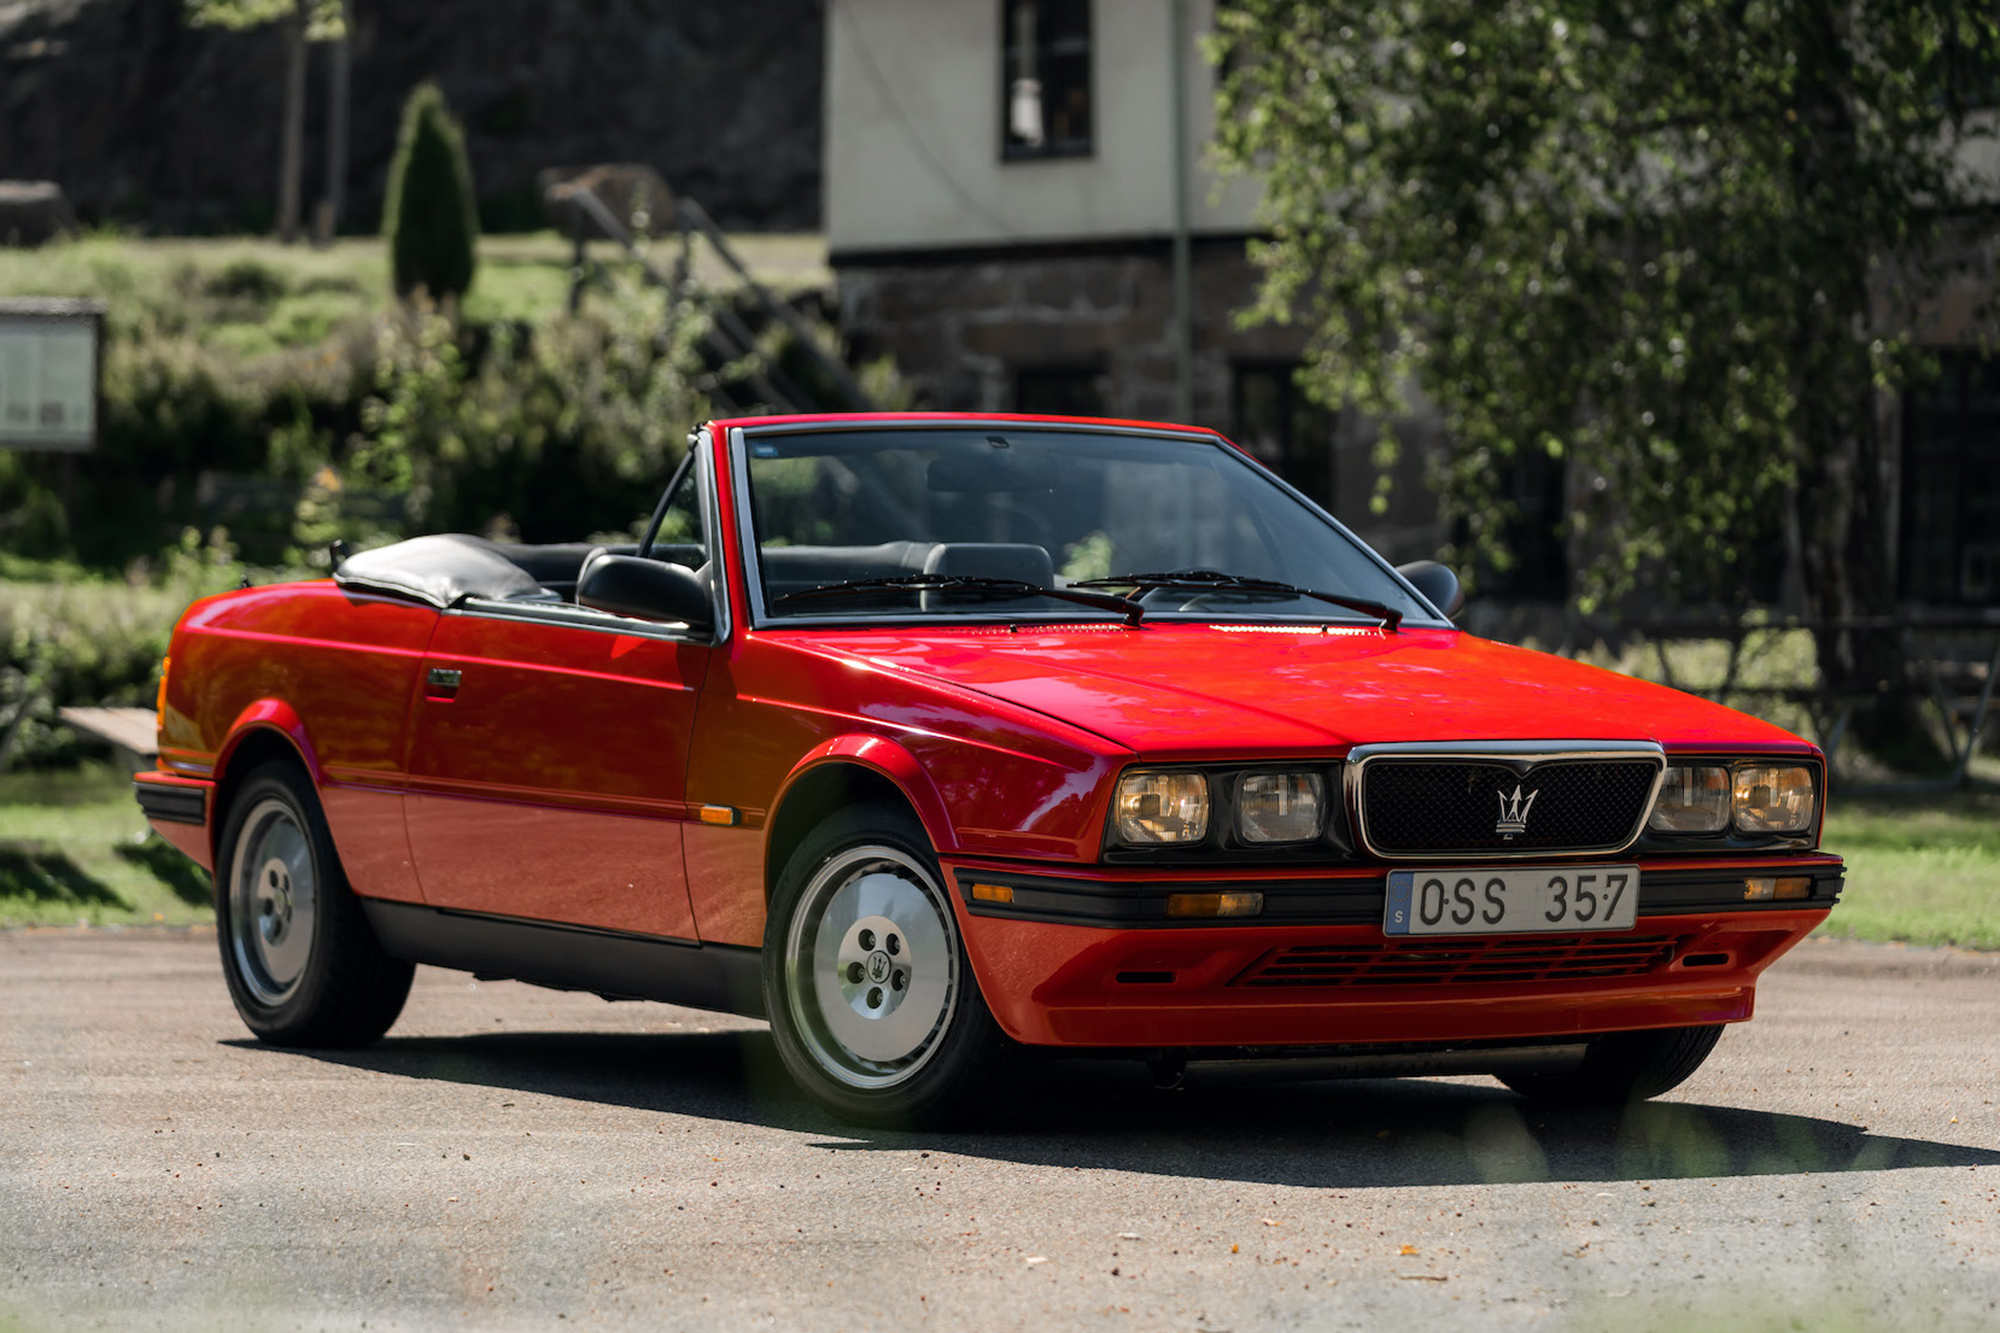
{"points": [[441, 570]]}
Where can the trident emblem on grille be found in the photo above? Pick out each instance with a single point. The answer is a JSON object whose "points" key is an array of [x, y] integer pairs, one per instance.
{"points": [[1514, 812]]}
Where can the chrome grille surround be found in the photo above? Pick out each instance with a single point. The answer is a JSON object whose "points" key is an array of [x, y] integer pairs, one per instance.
{"points": [[1520, 756]]}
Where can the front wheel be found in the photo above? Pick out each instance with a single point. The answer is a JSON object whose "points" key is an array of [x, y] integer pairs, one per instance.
{"points": [[873, 1006], [302, 964], [1621, 1067]]}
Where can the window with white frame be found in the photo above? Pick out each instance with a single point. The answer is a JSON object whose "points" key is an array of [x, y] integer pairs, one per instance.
{"points": [[1045, 86]]}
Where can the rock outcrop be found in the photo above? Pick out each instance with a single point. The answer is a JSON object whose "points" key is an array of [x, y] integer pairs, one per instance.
{"points": [[146, 120]]}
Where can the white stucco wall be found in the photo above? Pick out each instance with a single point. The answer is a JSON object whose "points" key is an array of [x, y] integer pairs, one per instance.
{"points": [[913, 131]]}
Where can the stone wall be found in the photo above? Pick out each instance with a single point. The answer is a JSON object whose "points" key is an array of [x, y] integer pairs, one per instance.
{"points": [[963, 331], [148, 121]]}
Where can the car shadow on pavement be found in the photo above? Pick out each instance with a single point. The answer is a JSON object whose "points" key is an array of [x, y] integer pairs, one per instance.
{"points": [[1104, 1114]]}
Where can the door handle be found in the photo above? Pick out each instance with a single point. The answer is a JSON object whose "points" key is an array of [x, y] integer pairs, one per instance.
{"points": [[442, 682]]}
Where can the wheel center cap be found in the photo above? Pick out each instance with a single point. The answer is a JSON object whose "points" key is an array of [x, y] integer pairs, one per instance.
{"points": [[277, 887], [878, 966]]}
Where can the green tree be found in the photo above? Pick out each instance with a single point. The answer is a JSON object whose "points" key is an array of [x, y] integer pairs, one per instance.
{"points": [[1677, 243], [305, 21], [430, 218]]}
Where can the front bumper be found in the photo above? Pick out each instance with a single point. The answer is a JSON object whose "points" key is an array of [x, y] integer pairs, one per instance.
{"points": [[1091, 960]]}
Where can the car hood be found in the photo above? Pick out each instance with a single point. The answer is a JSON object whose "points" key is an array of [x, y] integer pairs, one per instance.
{"points": [[1218, 692]]}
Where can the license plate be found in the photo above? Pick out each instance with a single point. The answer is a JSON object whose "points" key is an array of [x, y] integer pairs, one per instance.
{"points": [[1511, 901]]}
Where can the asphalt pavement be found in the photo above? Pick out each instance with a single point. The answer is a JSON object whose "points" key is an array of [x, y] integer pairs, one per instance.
{"points": [[518, 1158]]}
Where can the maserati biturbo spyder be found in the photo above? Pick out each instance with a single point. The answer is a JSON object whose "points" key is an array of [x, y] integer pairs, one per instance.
{"points": [[931, 738]]}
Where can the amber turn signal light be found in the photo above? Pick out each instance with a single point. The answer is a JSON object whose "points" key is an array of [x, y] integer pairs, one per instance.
{"points": [[992, 893], [1764, 888], [1215, 904]]}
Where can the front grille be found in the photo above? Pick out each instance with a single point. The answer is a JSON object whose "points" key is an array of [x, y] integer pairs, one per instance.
{"points": [[1513, 958], [1417, 806]]}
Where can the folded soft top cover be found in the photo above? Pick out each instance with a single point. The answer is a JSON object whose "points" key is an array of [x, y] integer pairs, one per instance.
{"points": [[441, 570]]}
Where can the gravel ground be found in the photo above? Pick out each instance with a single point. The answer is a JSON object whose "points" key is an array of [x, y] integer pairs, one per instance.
{"points": [[516, 1158]]}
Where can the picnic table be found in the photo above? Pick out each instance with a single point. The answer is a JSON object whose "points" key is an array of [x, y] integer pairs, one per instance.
{"points": [[132, 733]]}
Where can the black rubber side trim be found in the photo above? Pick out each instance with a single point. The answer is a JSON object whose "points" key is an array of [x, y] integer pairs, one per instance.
{"points": [[1337, 902], [722, 977], [175, 805]]}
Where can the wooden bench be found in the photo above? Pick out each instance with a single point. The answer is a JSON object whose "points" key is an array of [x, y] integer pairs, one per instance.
{"points": [[132, 733]]}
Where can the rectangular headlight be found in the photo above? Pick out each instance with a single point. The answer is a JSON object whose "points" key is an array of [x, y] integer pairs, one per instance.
{"points": [[1280, 807], [1161, 807], [1694, 798], [1774, 798]]}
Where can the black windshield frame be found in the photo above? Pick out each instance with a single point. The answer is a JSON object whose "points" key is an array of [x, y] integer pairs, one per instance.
{"points": [[741, 439]]}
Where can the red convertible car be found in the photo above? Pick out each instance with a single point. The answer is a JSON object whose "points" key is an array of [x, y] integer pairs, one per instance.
{"points": [[931, 738]]}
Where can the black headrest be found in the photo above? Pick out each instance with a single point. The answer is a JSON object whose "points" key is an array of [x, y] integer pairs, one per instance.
{"points": [[993, 560]]}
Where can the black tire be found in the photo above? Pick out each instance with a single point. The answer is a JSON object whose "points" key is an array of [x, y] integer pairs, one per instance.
{"points": [[303, 967], [897, 1034], [1622, 1067]]}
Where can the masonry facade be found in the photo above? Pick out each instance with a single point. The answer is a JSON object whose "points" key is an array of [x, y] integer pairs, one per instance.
{"points": [[1004, 188]]}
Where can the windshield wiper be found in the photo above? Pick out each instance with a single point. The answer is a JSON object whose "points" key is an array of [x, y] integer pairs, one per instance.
{"points": [[1213, 580], [973, 586]]}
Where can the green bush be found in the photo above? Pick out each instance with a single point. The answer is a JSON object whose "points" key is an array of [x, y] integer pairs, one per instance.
{"points": [[546, 433], [68, 637], [431, 219], [178, 417], [262, 390]]}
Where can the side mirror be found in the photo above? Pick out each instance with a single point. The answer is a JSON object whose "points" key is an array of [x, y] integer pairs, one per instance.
{"points": [[1437, 583], [646, 590]]}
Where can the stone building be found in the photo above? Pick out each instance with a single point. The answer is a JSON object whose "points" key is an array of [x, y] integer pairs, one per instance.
{"points": [[1004, 193], [1005, 196], [1005, 201]]}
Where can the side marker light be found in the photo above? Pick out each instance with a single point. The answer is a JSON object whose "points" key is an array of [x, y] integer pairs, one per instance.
{"points": [[992, 893]]}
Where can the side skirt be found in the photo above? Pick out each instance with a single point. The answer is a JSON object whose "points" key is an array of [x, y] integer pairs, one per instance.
{"points": [[723, 977]]}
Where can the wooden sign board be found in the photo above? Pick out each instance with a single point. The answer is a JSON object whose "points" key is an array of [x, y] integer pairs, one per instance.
{"points": [[51, 362]]}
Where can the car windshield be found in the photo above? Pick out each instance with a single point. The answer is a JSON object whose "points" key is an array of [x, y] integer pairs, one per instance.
{"points": [[966, 522]]}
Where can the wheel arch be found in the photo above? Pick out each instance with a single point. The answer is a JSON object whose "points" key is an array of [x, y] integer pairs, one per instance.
{"points": [[268, 729], [844, 772]]}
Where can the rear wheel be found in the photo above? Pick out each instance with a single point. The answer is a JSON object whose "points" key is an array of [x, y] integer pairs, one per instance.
{"points": [[872, 1004], [303, 967], [1621, 1067]]}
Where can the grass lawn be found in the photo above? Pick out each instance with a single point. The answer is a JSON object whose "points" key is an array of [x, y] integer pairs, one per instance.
{"points": [[1923, 869], [250, 296], [74, 849]]}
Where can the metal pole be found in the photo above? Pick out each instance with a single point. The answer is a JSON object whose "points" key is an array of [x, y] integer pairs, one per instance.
{"points": [[1183, 259]]}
